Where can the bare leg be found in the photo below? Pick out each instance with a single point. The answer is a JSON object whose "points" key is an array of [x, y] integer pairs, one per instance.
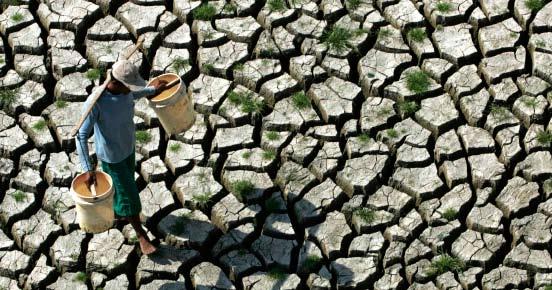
{"points": [[145, 244]]}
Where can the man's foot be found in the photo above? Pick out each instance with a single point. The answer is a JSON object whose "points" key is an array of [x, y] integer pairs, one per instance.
{"points": [[147, 247]]}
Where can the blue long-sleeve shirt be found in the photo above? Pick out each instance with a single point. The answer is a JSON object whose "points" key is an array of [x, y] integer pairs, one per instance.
{"points": [[114, 131]]}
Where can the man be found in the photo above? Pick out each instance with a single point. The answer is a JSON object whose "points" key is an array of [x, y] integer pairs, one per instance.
{"points": [[114, 138]]}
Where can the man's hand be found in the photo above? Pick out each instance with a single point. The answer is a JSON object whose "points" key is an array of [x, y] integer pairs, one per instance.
{"points": [[90, 178], [159, 85]]}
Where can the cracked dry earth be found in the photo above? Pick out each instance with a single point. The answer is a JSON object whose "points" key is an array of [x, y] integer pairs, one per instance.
{"points": [[357, 144]]}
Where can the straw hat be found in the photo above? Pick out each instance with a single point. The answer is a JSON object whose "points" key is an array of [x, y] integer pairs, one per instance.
{"points": [[127, 73]]}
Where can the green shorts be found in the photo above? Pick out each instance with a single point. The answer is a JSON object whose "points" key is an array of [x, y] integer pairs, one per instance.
{"points": [[126, 200]]}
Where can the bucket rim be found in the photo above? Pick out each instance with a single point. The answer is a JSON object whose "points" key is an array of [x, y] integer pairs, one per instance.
{"points": [[165, 100], [98, 197]]}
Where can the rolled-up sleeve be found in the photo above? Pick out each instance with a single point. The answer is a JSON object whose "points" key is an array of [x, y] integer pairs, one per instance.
{"points": [[147, 91], [82, 137]]}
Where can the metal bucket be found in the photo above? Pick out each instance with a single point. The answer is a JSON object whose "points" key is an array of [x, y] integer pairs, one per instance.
{"points": [[174, 106], [94, 214]]}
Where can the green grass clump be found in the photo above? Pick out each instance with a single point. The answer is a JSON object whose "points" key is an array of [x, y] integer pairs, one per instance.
{"points": [[365, 214], [208, 68], [246, 155], [311, 263], [179, 226], [143, 137], [544, 137], [39, 125], [175, 147], [180, 64], [530, 101], [239, 66], [80, 277], [93, 74], [276, 5], [363, 138], [384, 32], [417, 34], [337, 38], [19, 196], [2, 60], [548, 287], [272, 135], [205, 12], [202, 199], [392, 133], [17, 17], [443, 6], [499, 112], [276, 273], [246, 102], [300, 101], [444, 264], [450, 214], [272, 204], [534, 5], [60, 104], [269, 154], [243, 188], [7, 96], [353, 4], [540, 43], [229, 7], [408, 107], [417, 81]]}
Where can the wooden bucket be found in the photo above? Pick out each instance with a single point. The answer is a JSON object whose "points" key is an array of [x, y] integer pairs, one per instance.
{"points": [[174, 106], [94, 214]]}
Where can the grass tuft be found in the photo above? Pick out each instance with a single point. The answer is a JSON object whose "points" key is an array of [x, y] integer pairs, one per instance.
{"points": [[444, 264], [208, 68], [246, 102], [337, 38], [534, 5], [417, 34], [363, 138], [272, 135], [300, 101], [243, 188], [544, 137], [276, 273], [530, 101], [205, 12], [19, 196], [143, 137], [408, 107], [392, 133], [354, 4], [272, 204], [39, 125], [7, 96], [17, 17], [246, 155], [311, 263], [93, 74], [384, 32], [180, 64], [417, 82], [443, 6], [276, 5], [548, 287], [499, 112], [269, 154], [365, 214], [80, 277], [60, 104], [239, 66], [202, 199], [450, 214], [175, 147]]}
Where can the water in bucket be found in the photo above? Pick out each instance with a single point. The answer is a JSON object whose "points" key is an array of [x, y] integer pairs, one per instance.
{"points": [[94, 214], [174, 106]]}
